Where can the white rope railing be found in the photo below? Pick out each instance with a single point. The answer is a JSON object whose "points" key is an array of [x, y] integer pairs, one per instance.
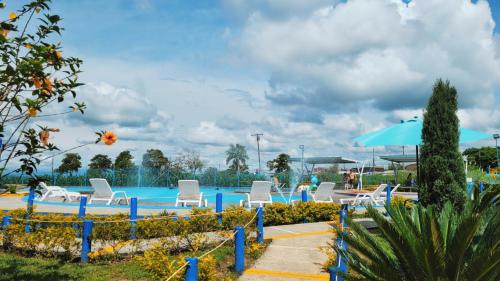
{"points": [[214, 249]]}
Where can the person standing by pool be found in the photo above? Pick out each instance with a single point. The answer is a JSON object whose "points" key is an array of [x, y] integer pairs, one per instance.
{"points": [[345, 178], [409, 180], [352, 178]]}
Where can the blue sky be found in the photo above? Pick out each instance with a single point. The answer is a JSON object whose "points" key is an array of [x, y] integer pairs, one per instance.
{"points": [[201, 75]]}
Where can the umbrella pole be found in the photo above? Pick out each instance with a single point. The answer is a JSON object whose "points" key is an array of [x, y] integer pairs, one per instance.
{"points": [[418, 166]]}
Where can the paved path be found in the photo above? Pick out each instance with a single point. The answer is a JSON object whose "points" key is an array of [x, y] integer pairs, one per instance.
{"points": [[16, 202], [293, 255]]}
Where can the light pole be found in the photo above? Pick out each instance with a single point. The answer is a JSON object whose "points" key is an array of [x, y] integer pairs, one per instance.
{"points": [[496, 137], [301, 147], [257, 136]]}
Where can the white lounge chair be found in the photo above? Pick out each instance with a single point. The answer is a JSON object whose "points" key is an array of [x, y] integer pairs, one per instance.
{"points": [[103, 192], [189, 192], [324, 193], [368, 197], [277, 185], [259, 194], [56, 191]]}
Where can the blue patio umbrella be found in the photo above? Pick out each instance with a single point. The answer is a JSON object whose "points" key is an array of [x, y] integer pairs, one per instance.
{"points": [[410, 133]]}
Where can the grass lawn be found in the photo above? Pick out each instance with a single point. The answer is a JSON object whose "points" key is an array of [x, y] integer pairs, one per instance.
{"points": [[18, 268], [14, 267]]}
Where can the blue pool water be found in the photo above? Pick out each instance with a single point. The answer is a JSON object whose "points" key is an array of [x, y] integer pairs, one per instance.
{"points": [[162, 196]]}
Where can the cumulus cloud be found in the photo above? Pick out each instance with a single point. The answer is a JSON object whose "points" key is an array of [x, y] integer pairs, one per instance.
{"points": [[378, 53], [132, 115], [273, 8], [209, 133]]}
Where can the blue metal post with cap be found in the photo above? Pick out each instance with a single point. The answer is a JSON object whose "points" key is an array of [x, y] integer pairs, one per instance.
{"points": [[192, 269], [86, 241], [83, 207], [341, 266], [218, 206], [133, 217], [239, 249], [5, 222], [29, 209], [260, 225], [388, 198], [81, 214], [304, 195]]}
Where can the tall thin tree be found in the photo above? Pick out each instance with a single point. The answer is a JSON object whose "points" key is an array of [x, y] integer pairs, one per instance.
{"points": [[442, 167]]}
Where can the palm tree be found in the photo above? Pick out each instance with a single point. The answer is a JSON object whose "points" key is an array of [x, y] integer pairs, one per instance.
{"points": [[424, 244], [237, 154]]}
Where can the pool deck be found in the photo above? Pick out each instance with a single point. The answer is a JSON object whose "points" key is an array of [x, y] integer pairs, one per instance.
{"points": [[14, 202], [10, 202]]}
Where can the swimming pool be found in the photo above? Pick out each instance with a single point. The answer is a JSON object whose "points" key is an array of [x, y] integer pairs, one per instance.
{"points": [[164, 196]]}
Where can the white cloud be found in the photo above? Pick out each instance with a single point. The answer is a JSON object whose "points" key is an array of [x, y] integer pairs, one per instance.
{"points": [[108, 104], [341, 56], [210, 134]]}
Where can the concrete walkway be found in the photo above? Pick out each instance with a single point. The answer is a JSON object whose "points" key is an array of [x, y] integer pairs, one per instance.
{"points": [[16, 202], [294, 253]]}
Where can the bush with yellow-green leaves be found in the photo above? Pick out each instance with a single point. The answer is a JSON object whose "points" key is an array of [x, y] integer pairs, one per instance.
{"points": [[56, 235], [280, 213]]}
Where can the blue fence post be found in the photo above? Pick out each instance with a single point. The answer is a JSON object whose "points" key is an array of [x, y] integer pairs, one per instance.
{"points": [[192, 269], [81, 214], [260, 225], [133, 217], [340, 263], [29, 210], [344, 211], [481, 186], [239, 249], [83, 207], [218, 206], [388, 199], [5, 222], [333, 273], [304, 195], [86, 241]]}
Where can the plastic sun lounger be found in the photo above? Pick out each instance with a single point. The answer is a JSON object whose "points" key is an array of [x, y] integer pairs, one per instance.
{"points": [[259, 194], [277, 185], [371, 197], [103, 192], [56, 191], [324, 193], [189, 192]]}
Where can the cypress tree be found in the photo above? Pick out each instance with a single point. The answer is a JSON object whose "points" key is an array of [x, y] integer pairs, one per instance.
{"points": [[442, 167]]}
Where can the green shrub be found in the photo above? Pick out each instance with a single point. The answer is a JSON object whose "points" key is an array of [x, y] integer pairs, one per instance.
{"points": [[112, 231], [280, 213]]}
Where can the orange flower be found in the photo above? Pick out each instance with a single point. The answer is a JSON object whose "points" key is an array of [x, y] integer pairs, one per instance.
{"points": [[12, 16], [109, 137], [44, 137], [58, 55], [46, 85], [4, 32], [37, 83], [28, 46], [32, 112]]}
